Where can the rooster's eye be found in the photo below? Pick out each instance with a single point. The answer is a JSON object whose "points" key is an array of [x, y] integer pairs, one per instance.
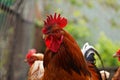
{"points": [[49, 27]]}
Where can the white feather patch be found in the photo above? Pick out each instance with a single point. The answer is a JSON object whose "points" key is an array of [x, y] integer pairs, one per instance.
{"points": [[86, 46], [103, 73], [37, 70]]}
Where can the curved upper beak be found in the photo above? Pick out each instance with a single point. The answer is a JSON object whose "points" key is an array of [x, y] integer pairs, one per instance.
{"points": [[45, 36]]}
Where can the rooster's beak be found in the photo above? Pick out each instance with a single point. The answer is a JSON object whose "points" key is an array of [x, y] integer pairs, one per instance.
{"points": [[44, 36], [25, 60], [115, 55]]}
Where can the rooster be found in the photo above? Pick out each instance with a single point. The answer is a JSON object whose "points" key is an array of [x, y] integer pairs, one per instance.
{"points": [[35, 61], [116, 76], [63, 59]]}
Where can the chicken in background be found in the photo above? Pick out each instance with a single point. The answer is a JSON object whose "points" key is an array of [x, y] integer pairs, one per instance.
{"points": [[63, 59], [35, 61], [116, 76], [89, 54]]}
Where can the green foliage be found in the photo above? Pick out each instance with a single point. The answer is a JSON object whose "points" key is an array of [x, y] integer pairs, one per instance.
{"points": [[90, 4], [107, 48], [76, 2], [79, 31], [111, 4], [114, 22]]}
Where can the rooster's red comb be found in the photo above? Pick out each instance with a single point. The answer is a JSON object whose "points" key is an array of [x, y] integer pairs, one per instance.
{"points": [[51, 20], [30, 53]]}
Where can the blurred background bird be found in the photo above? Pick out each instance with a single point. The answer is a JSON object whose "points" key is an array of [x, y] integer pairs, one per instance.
{"points": [[116, 76], [35, 61]]}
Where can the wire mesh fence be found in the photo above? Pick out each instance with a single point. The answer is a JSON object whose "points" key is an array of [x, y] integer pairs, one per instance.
{"points": [[15, 40], [6, 34]]}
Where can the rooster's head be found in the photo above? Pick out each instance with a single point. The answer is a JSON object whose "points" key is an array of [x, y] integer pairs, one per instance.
{"points": [[31, 56], [53, 32]]}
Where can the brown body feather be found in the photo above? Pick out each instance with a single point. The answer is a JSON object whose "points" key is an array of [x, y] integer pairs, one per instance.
{"points": [[95, 74], [116, 76], [67, 63]]}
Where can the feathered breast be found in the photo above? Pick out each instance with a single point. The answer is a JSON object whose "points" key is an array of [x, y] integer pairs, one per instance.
{"points": [[69, 56]]}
